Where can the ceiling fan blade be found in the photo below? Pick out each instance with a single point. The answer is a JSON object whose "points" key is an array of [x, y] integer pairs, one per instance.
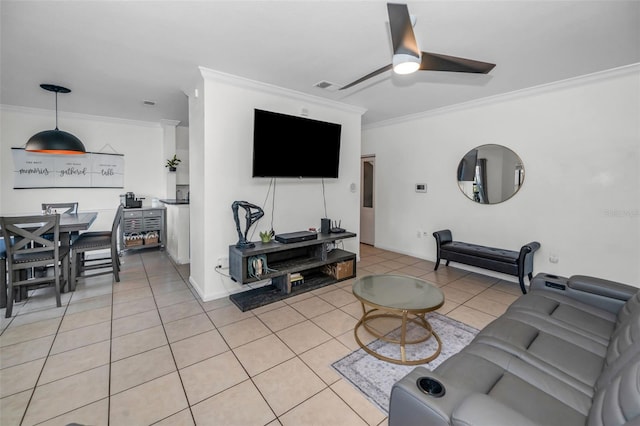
{"points": [[368, 76], [402, 37], [438, 62]]}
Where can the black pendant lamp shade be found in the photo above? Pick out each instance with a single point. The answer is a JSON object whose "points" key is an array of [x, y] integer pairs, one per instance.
{"points": [[55, 141]]}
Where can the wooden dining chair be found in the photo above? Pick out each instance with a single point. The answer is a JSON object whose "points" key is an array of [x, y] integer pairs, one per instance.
{"points": [[59, 207], [3, 274], [94, 241], [27, 248]]}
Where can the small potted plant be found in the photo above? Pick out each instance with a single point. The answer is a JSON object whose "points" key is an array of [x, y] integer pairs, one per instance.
{"points": [[173, 163], [266, 236]]}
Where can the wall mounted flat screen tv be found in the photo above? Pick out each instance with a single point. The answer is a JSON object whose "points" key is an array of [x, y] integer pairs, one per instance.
{"points": [[290, 146]]}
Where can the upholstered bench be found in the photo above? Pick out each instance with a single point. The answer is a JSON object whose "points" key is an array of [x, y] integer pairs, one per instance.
{"points": [[517, 263]]}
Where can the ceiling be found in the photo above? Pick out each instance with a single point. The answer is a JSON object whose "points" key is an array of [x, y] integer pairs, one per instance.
{"points": [[115, 54]]}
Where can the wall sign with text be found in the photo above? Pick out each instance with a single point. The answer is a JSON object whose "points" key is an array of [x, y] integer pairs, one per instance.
{"points": [[90, 170]]}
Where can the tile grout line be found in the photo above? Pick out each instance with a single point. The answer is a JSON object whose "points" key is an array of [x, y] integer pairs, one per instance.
{"points": [[108, 397], [44, 364], [113, 283], [249, 378], [287, 303], [296, 355], [175, 363]]}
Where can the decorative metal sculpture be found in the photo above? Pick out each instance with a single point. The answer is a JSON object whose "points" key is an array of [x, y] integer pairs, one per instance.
{"points": [[250, 218]]}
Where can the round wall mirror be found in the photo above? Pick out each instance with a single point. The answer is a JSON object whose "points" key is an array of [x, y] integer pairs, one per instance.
{"points": [[490, 174]]}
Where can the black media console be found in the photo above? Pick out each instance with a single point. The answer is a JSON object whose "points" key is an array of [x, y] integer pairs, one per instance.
{"points": [[294, 268]]}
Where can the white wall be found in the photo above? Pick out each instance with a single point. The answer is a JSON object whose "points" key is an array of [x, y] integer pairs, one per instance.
{"points": [[182, 151], [169, 132], [200, 264], [224, 152], [140, 142], [580, 145]]}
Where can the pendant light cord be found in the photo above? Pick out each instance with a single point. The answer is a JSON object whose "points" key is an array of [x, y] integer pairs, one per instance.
{"points": [[56, 110]]}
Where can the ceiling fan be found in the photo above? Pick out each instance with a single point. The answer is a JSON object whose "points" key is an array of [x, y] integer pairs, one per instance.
{"points": [[407, 58]]}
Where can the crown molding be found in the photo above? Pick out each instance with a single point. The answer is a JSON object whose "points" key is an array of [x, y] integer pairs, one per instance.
{"points": [[517, 94], [242, 82], [169, 123], [79, 116]]}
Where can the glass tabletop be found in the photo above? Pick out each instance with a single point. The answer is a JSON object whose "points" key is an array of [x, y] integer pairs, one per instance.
{"points": [[398, 292]]}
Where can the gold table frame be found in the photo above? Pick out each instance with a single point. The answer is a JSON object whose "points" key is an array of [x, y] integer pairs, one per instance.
{"points": [[416, 316]]}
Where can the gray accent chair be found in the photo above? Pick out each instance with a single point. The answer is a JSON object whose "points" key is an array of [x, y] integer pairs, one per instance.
{"points": [[567, 353]]}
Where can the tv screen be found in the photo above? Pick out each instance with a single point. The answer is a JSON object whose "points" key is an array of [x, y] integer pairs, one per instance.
{"points": [[289, 146]]}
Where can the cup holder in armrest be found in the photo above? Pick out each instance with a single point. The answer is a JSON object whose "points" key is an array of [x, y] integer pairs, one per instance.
{"points": [[431, 386]]}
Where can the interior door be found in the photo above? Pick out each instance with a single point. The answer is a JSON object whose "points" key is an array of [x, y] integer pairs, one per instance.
{"points": [[367, 200]]}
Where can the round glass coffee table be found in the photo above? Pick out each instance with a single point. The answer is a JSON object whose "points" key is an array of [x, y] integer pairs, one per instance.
{"points": [[402, 297]]}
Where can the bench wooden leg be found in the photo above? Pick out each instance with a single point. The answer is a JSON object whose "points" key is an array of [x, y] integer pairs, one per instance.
{"points": [[522, 287], [438, 264]]}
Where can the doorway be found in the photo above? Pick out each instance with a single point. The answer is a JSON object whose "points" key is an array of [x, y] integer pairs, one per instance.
{"points": [[367, 199]]}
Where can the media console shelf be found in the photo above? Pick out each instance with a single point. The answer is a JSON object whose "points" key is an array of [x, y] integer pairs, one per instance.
{"points": [[317, 261]]}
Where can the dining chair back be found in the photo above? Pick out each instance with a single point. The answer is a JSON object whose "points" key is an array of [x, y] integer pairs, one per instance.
{"points": [[3, 274], [60, 207], [94, 241], [26, 248]]}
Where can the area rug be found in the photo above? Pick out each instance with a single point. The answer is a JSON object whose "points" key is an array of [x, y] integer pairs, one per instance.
{"points": [[374, 378]]}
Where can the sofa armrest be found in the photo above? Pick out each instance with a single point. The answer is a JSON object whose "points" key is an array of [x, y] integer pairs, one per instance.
{"points": [[600, 287], [442, 237], [482, 410], [603, 294]]}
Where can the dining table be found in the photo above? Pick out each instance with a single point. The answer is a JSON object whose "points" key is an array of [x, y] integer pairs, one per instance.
{"points": [[69, 223], [75, 222]]}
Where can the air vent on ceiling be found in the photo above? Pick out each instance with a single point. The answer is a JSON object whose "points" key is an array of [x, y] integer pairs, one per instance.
{"points": [[327, 85]]}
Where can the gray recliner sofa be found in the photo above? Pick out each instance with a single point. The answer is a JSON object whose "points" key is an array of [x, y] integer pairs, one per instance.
{"points": [[567, 353]]}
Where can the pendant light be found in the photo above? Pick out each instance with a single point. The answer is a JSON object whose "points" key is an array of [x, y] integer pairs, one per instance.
{"points": [[55, 141]]}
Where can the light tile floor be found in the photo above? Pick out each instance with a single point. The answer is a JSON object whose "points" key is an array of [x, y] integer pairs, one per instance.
{"points": [[147, 350]]}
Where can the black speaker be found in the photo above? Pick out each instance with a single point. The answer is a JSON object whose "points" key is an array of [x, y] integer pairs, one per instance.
{"points": [[325, 225]]}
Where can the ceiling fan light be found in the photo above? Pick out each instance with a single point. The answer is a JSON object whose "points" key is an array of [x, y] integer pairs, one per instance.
{"points": [[405, 64]]}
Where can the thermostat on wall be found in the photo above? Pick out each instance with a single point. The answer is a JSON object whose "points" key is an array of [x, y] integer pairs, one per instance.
{"points": [[421, 187]]}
